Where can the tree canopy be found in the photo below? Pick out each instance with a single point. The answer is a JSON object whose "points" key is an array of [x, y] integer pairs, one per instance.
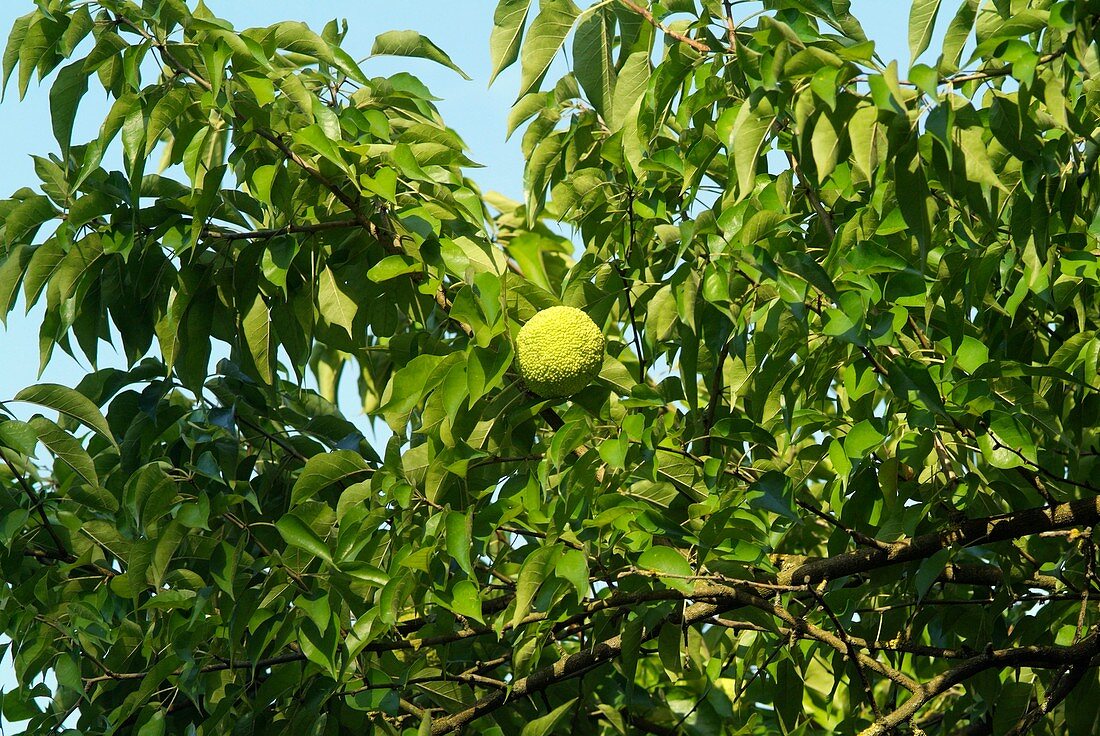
{"points": [[838, 473]]}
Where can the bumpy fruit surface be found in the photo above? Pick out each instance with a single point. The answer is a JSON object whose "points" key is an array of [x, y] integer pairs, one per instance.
{"points": [[559, 351]]}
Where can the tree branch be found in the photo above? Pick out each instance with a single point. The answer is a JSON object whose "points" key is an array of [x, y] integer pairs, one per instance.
{"points": [[964, 534], [36, 501], [850, 653], [572, 665], [1058, 692], [275, 232], [1081, 653], [645, 13]]}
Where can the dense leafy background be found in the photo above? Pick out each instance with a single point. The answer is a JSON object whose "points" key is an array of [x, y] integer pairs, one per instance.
{"points": [[838, 474]]}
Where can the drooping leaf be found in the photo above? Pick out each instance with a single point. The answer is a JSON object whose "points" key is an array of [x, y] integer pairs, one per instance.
{"points": [[745, 139], [592, 42], [545, 36], [65, 96], [256, 327], [532, 573], [922, 21], [505, 40], [411, 43], [66, 448], [69, 402]]}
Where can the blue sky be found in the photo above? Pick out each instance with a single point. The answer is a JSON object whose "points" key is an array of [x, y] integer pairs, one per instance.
{"points": [[478, 113]]}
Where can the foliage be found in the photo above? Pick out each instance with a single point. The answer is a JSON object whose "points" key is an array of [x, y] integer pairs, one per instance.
{"points": [[838, 473]]}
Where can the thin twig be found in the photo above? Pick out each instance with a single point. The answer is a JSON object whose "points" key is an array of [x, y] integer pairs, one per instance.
{"points": [[39, 507], [275, 232], [645, 13]]}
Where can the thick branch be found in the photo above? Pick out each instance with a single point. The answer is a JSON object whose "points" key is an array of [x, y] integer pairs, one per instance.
{"points": [[894, 645], [804, 628], [1082, 653], [965, 534], [565, 668], [1058, 692]]}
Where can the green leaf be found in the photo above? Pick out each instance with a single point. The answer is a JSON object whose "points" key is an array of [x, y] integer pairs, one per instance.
{"points": [[922, 21], [70, 403], [256, 326], [929, 570], [336, 305], [65, 96], [592, 63], [365, 573], [466, 600], [411, 43], [66, 448], [1008, 443], [1014, 701], [745, 139], [504, 41], [630, 88], [167, 112], [572, 565], [532, 573], [972, 354], [486, 369], [393, 266], [27, 217], [410, 384], [528, 106], [669, 643], [297, 533], [80, 25], [547, 723], [155, 726], [18, 436], [34, 49], [11, 275], [45, 261], [94, 497], [915, 204], [297, 37], [825, 145], [15, 41], [459, 543], [326, 469], [315, 137], [545, 36], [862, 439], [383, 183], [926, 78], [958, 31], [979, 167], [666, 560]]}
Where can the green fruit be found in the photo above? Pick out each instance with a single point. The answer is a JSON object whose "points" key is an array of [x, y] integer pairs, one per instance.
{"points": [[559, 351]]}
